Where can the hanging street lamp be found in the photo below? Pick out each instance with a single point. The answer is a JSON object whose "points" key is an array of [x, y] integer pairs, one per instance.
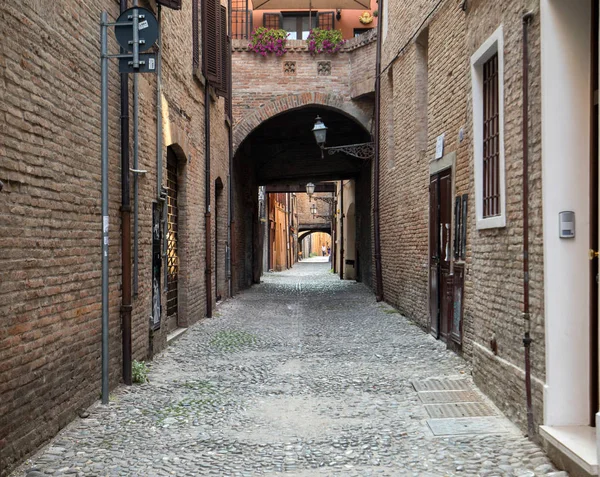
{"points": [[310, 190], [364, 150]]}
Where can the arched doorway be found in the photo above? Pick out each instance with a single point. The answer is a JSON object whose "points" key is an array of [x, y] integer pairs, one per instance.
{"points": [[281, 151]]}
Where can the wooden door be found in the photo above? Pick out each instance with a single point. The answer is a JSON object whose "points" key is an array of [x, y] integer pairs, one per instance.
{"points": [[445, 233], [440, 252], [434, 257]]}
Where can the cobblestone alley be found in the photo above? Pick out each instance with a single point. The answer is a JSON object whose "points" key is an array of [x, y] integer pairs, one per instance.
{"points": [[303, 374]]}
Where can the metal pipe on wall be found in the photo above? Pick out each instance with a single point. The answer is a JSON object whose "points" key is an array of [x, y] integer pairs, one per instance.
{"points": [[104, 188], [136, 96], [126, 213], [342, 230], [208, 271], [376, 226], [230, 141], [526, 338]]}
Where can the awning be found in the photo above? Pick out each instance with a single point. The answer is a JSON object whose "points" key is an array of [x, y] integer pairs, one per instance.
{"points": [[311, 4]]}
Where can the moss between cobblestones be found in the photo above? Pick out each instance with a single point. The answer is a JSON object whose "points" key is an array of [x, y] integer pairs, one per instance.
{"points": [[232, 340]]}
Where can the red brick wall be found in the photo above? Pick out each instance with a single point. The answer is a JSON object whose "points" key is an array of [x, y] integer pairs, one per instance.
{"points": [[423, 97], [50, 216]]}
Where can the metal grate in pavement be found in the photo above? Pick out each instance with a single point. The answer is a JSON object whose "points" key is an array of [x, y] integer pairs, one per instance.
{"points": [[463, 409], [435, 397], [472, 425], [438, 384]]}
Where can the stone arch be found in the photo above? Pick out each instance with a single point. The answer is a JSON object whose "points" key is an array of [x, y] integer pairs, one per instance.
{"points": [[290, 102]]}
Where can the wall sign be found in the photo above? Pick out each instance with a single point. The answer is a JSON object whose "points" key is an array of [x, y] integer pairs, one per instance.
{"points": [[439, 146]]}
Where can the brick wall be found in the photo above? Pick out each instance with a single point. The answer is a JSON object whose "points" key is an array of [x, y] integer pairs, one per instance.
{"points": [[50, 216], [426, 92]]}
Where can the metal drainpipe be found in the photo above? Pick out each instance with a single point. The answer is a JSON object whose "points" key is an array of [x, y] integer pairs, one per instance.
{"points": [[135, 180], [208, 271], [342, 231], [126, 225], [378, 274], [230, 139], [526, 338], [104, 187]]}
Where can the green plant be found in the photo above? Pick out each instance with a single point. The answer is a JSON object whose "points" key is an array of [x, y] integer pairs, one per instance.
{"points": [[375, 13], [268, 41], [139, 372], [324, 41]]}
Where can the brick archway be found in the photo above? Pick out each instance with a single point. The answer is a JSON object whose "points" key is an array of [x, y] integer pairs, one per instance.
{"points": [[290, 102]]}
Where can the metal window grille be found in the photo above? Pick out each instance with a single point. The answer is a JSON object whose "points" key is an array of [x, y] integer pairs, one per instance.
{"points": [[491, 139], [172, 230], [241, 19], [272, 21], [326, 20]]}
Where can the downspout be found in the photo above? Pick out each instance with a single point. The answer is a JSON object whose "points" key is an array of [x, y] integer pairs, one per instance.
{"points": [[287, 230], [526, 338], [378, 275], [230, 138], [342, 230], [126, 225], [136, 173], [208, 271], [160, 197]]}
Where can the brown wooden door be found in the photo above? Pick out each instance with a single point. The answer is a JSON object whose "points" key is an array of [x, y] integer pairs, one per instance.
{"points": [[434, 257], [440, 252]]}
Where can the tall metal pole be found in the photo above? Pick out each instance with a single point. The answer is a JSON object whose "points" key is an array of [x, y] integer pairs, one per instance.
{"points": [[104, 174]]}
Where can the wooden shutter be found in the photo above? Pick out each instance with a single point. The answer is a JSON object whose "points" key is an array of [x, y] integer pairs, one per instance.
{"points": [[211, 41], [174, 4], [325, 20], [272, 21], [195, 35], [223, 87]]}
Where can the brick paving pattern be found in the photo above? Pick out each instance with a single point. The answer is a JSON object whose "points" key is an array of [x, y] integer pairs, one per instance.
{"points": [[305, 375]]}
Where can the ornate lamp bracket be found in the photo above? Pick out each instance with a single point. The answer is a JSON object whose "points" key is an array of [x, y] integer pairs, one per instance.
{"points": [[365, 150]]}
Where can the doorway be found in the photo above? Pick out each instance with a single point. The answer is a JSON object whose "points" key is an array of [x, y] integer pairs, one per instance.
{"points": [[440, 253], [172, 240]]}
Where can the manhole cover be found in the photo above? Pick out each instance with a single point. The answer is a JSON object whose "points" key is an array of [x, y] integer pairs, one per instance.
{"points": [[464, 409], [431, 397], [441, 385], [473, 425]]}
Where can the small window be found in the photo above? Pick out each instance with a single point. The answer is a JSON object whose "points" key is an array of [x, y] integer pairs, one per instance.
{"points": [[487, 78], [272, 21], [360, 31]]}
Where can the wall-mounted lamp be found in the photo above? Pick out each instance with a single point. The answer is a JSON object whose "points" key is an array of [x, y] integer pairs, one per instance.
{"points": [[338, 14]]}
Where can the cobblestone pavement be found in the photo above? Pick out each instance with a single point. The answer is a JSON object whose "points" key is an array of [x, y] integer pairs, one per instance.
{"points": [[304, 375]]}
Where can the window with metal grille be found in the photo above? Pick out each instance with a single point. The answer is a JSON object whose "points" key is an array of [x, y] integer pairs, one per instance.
{"points": [[491, 139], [326, 20], [241, 19], [211, 41], [272, 21]]}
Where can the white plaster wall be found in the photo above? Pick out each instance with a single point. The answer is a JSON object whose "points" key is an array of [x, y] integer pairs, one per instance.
{"points": [[565, 45]]}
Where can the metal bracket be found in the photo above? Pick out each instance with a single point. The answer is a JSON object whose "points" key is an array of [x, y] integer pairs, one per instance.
{"points": [[364, 150], [138, 171]]}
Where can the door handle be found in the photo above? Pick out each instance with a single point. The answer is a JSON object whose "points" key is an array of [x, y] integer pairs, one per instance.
{"points": [[592, 254]]}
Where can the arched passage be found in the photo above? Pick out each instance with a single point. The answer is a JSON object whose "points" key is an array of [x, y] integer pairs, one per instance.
{"points": [[281, 150]]}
